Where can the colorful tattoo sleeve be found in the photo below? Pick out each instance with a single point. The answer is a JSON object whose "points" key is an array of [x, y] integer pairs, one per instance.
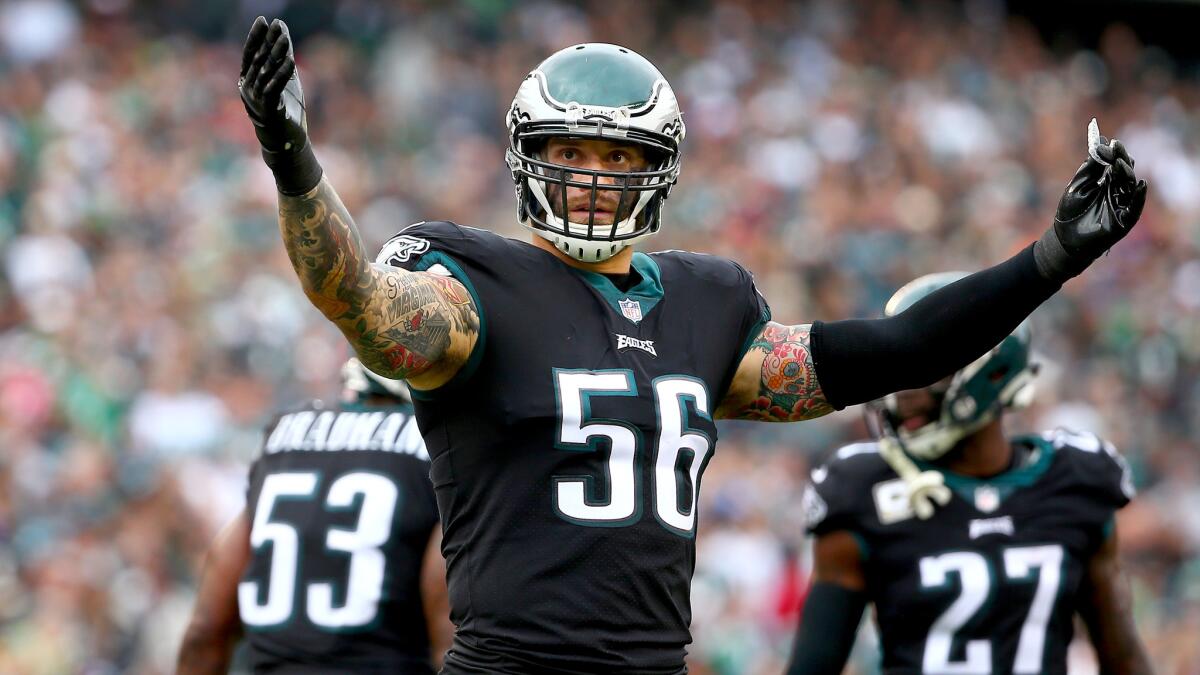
{"points": [[400, 322], [788, 390]]}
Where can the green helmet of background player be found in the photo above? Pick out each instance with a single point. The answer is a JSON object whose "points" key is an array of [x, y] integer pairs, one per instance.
{"points": [[969, 399], [360, 385], [594, 91]]}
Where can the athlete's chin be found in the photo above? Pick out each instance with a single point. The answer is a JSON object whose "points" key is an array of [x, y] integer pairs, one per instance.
{"points": [[581, 217]]}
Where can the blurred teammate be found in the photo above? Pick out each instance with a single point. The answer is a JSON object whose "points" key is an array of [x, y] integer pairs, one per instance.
{"points": [[568, 387], [334, 565], [977, 549]]}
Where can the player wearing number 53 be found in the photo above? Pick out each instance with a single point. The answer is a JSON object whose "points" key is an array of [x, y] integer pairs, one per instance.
{"points": [[567, 386], [334, 565], [976, 549]]}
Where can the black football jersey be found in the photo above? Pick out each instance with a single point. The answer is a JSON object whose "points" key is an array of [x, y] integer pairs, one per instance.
{"points": [[991, 582], [568, 452], [342, 511]]}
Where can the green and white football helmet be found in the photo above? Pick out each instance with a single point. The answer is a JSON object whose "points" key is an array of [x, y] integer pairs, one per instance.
{"points": [[1002, 378], [360, 384], [596, 91]]}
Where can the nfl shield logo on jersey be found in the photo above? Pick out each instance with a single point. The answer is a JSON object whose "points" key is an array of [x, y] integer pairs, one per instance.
{"points": [[631, 309], [987, 498]]}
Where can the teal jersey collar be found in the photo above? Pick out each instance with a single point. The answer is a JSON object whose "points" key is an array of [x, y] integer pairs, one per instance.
{"points": [[976, 490], [635, 304]]}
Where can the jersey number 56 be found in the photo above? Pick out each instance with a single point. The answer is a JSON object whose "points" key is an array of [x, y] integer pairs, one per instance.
{"points": [[575, 496]]}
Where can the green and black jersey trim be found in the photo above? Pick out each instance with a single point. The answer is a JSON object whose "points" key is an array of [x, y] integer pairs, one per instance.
{"points": [[752, 335], [468, 369], [1005, 483], [646, 293]]}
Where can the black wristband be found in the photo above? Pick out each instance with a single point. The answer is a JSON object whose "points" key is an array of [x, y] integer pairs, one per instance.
{"points": [[860, 360], [827, 629], [296, 171], [1053, 261]]}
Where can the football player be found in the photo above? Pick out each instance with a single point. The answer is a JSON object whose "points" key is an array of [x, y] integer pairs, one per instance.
{"points": [[568, 386], [334, 565], [976, 549]]}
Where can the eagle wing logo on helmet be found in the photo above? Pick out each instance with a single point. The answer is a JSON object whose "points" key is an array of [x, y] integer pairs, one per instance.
{"points": [[814, 507]]}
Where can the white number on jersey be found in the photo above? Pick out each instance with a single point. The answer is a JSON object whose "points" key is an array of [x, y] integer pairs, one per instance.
{"points": [[364, 585], [977, 586], [578, 432]]}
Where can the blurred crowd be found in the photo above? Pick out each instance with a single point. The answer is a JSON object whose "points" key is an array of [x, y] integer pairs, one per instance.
{"points": [[150, 321]]}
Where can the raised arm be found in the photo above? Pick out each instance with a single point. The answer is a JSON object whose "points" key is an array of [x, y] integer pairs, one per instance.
{"points": [[794, 373], [415, 326]]}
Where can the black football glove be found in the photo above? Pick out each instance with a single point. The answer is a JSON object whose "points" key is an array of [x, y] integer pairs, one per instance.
{"points": [[270, 90], [1102, 203]]}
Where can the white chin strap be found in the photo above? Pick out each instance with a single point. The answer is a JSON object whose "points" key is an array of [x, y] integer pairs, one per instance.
{"points": [[935, 439], [926, 489], [583, 250]]}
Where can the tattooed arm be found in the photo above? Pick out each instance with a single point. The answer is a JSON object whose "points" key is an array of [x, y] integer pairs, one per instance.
{"points": [[415, 326], [404, 325], [776, 380]]}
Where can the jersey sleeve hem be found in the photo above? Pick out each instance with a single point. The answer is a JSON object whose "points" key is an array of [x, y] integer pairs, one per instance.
{"points": [[753, 333], [472, 364], [756, 328], [1110, 526], [864, 549]]}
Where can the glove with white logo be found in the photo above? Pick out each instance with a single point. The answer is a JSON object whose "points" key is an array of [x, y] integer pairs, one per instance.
{"points": [[1102, 203]]}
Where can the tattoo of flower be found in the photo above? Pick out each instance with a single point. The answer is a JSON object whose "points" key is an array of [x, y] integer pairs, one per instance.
{"points": [[399, 322], [788, 388]]}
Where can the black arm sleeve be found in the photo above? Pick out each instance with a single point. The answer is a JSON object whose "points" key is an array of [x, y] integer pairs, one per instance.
{"points": [[827, 629], [860, 360]]}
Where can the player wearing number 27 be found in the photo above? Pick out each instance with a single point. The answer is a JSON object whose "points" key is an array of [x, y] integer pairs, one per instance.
{"points": [[977, 549], [567, 386]]}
